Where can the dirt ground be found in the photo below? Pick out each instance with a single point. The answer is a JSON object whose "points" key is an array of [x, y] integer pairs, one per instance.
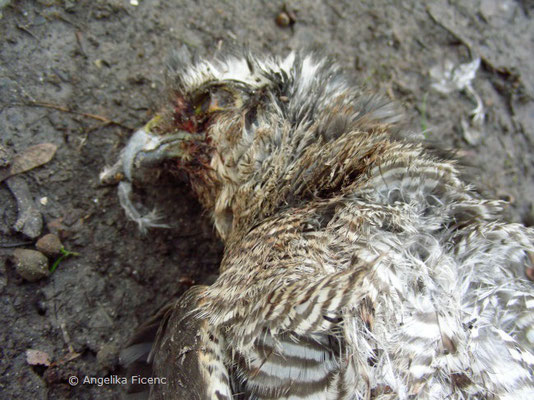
{"points": [[83, 74]]}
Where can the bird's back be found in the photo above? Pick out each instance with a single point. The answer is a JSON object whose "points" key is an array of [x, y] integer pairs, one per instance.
{"points": [[405, 285]]}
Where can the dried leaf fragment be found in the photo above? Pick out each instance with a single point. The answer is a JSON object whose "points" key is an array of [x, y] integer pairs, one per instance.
{"points": [[32, 157]]}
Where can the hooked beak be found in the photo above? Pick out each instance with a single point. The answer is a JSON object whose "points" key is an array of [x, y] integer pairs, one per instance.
{"points": [[144, 150]]}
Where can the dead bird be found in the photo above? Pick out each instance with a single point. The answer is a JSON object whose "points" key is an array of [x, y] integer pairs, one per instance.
{"points": [[358, 263]]}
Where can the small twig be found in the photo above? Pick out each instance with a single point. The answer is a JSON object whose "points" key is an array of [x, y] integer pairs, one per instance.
{"points": [[16, 244], [69, 357], [23, 28], [456, 35], [66, 337], [87, 115], [68, 21], [79, 39], [338, 13]]}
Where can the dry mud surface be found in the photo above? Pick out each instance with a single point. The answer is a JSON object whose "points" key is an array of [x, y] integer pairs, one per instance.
{"points": [[83, 74]]}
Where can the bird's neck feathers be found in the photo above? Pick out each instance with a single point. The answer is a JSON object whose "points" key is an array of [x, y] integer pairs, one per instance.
{"points": [[277, 164]]}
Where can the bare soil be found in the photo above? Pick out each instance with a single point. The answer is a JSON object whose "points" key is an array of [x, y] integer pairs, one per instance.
{"points": [[83, 74]]}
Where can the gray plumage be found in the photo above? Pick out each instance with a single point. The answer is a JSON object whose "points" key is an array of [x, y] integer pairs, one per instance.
{"points": [[358, 264]]}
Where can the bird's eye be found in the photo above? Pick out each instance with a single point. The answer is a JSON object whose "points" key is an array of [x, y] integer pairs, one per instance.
{"points": [[212, 100], [193, 113]]}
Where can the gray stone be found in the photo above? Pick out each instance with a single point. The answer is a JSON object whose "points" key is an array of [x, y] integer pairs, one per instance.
{"points": [[31, 265], [49, 244], [29, 221]]}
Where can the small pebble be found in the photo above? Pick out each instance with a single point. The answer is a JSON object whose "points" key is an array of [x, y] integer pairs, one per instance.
{"points": [[283, 20], [29, 219], [31, 265], [57, 227], [285, 17], [49, 244]]}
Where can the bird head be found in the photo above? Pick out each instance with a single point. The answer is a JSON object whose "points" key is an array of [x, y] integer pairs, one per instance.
{"points": [[198, 130], [251, 134]]}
